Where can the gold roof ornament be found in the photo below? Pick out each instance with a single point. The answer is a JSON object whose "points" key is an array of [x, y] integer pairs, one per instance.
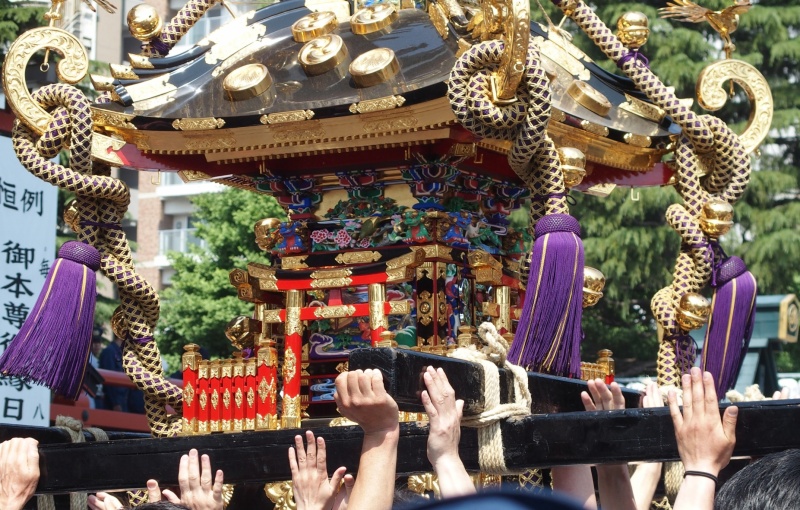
{"points": [[724, 22], [144, 22]]}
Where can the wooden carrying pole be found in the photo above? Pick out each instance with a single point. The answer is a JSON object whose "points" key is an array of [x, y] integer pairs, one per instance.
{"points": [[535, 441], [559, 433]]}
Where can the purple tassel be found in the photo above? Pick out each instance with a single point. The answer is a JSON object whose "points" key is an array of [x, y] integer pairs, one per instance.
{"points": [[731, 323], [52, 347], [549, 332]]}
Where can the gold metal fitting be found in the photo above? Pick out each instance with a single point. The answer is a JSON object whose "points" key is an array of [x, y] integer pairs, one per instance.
{"points": [[374, 67], [314, 25], [144, 22], [241, 332], [101, 83], [569, 6], [716, 218], [70, 215], [123, 72], [573, 165], [373, 18], [322, 54], [593, 283], [247, 82], [633, 29], [606, 362], [693, 311], [139, 61], [589, 97]]}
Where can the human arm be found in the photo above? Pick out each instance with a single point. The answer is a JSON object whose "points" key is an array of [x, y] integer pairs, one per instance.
{"points": [[705, 441], [361, 397], [444, 414], [198, 492], [577, 482], [310, 485], [645, 479], [613, 480], [19, 472]]}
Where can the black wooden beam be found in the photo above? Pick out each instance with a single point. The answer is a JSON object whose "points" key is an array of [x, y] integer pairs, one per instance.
{"points": [[402, 374], [535, 441], [52, 435]]}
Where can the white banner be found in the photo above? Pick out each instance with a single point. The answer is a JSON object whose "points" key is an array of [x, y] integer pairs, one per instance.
{"points": [[27, 249]]}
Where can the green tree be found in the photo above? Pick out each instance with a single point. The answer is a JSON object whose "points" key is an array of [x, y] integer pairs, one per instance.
{"points": [[15, 19], [201, 300], [629, 240]]}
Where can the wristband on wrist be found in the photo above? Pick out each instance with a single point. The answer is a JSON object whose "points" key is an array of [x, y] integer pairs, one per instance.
{"points": [[703, 474]]}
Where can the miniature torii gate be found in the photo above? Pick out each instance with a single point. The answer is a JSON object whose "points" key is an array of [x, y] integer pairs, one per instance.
{"points": [[255, 284]]}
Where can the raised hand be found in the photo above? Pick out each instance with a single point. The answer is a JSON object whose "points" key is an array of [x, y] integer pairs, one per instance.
{"points": [[342, 499], [705, 441], [361, 397], [198, 492], [103, 501], [311, 487], [444, 414], [19, 472], [602, 397], [613, 480]]}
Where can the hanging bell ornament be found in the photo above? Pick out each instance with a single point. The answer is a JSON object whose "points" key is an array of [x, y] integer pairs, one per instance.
{"points": [[144, 23], [693, 311], [119, 325], [573, 165], [241, 331], [71, 217], [633, 29], [716, 218], [593, 283]]}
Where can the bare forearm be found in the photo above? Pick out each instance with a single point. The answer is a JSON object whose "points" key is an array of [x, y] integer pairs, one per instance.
{"points": [[696, 493], [577, 482], [644, 482], [374, 486], [453, 478], [614, 486]]}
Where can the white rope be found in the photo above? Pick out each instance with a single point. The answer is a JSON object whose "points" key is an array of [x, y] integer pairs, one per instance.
{"points": [[77, 500], [491, 357]]}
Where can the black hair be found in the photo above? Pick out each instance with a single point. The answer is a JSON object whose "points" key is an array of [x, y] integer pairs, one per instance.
{"points": [[160, 505], [772, 482], [406, 498]]}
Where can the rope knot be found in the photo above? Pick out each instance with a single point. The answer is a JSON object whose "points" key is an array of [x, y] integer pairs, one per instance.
{"points": [[491, 357]]}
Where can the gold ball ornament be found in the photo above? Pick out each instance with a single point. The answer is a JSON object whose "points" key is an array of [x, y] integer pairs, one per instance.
{"points": [[267, 233], [633, 29], [119, 325], [71, 217], [573, 165], [144, 23], [693, 311], [593, 283], [716, 218]]}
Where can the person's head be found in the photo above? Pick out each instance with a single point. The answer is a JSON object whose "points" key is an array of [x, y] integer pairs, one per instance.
{"points": [[161, 505], [772, 482], [504, 500], [97, 346]]}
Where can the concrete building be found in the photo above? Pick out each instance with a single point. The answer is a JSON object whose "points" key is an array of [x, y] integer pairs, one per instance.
{"points": [[161, 213]]}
